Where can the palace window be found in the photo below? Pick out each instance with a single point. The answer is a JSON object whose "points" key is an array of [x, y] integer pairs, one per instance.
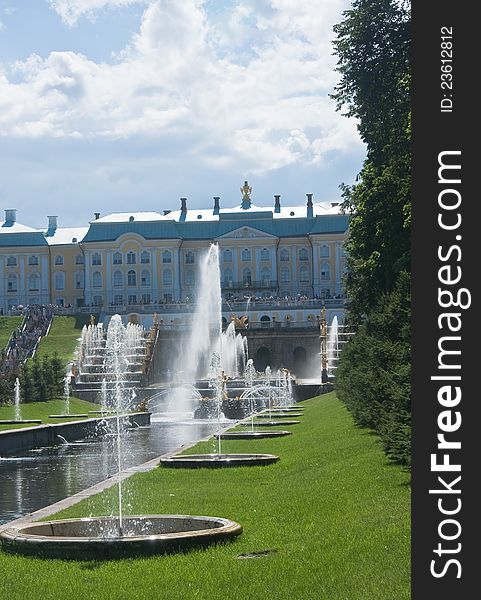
{"points": [[33, 261], [265, 277], [96, 259], [131, 258], [325, 271], [98, 300], [131, 278], [97, 279], [79, 280], [118, 279], [247, 278], [227, 277], [246, 254], [265, 254], [145, 258], [117, 258], [145, 278], [12, 283], [58, 260], [303, 275], [303, 254], [146, 299], [132, 299], [189, 258], [284, 254], [227, 255], [167, 278], [190, 278], [12, 261], [285, 275], [324, 251], [166, 256], [118, 299], [33, 282], [79, 259], [59, 281]]}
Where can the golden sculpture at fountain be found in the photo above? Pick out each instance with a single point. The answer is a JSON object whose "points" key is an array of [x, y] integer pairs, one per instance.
{"points": [[240, 322]]}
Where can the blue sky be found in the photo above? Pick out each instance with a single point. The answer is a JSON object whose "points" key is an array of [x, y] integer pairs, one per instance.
{"points": [[116, 105]]}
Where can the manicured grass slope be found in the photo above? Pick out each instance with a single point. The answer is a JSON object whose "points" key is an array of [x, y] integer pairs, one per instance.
{"points": [[7, 325], [333, 510], [62, 338], [41, 410]]}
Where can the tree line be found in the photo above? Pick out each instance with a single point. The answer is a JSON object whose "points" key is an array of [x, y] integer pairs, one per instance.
{"points": [[372, 46]]}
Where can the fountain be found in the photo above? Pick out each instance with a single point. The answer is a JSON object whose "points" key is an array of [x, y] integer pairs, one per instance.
{"points": [[225, 353], [332, 346], [17, 408], [117, 535]]}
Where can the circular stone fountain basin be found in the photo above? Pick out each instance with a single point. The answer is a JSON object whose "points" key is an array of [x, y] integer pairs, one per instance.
{"points": [[192, 461], [98, 537], [248, 435], [270, 423], [279, 415]]}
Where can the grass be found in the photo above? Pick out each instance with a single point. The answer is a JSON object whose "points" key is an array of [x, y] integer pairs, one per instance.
{"points": [[333, 512], [41, 410], [7, 325], [62, 337]]}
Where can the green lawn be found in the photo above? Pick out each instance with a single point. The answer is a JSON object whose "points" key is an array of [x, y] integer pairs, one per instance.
{"points": [[7, 325], [62, 337], [333, 515], [41, 410]]}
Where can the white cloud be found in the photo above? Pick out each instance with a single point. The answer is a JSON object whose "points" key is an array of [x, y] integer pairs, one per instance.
{"points": [[223, 99], [70, 11], [2, 26]]}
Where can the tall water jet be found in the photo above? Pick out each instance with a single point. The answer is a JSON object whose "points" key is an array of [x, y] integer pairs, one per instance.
{"points": [[18, 413], [66, 392], [333, 346]]}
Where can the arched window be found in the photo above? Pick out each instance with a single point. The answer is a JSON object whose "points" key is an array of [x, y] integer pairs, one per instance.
{"points": [[324, 251], [284, 254], [59, 280], [117, 258], [145, 258], [265, 277], [265, 254], [145, 278], [246, 254], [33, 282], [12, 283], [58, 260], [131, 258], [96, 259], [189, 258], [96, 279], [131, 278], [303, 275], [167, 278], [285, 275], [190, 277], [32, 261], [227, 255], [325, 271], [79, 259], [118, 279], [303, 254], [247, 278], [166, 256], [227, 277]]}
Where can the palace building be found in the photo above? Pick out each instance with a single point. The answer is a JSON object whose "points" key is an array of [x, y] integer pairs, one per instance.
{"points": [[141, 261]]}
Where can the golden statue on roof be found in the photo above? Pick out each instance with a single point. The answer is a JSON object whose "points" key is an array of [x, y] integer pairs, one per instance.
{"points": [[246, 191]]}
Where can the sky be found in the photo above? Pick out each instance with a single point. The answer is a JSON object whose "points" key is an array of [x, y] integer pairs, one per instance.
{"points": [[118, 105]]}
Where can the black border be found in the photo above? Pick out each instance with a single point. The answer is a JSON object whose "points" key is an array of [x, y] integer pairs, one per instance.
{"points": [[433, 132]]}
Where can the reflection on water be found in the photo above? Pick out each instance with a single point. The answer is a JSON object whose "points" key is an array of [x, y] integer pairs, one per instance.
{"points": [[37, 478]]}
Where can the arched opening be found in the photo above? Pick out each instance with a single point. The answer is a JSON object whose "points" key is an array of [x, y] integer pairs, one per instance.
{"points": [[300, 361], [265, 321], [262, 358]]}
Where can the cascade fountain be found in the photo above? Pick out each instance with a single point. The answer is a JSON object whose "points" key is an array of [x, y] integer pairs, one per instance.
{"points": [[214, 355], [120, 535]]}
